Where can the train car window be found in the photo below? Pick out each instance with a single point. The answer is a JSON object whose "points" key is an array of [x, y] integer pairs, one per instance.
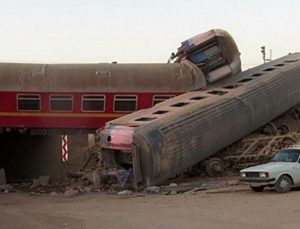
{"points": [[217, 92], [93, 103], [256, 74], [61, 103], [181, 104], [125, 103], [269, 69], [160, 98], [145, 119], [278, 65], [29, 102], [245, 80], [231, 86], [197, 98], [160, 112]]}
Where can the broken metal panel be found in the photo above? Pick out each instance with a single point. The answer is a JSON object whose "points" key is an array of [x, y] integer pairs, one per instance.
{"points": [[196, 125]]}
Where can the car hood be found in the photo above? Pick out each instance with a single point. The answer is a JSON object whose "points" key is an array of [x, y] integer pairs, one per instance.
{"points": [[272, 166]]}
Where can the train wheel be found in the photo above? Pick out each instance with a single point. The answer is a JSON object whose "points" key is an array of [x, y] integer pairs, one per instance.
{"points": [[214, 167], [270, 129], [283, 129]]}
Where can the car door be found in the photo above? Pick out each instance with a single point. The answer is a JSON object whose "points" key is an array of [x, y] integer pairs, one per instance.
{"points": [[296, 172]]}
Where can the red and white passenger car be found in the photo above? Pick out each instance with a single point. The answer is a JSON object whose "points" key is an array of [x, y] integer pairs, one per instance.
{"points": [[43, 97], [85, 96]]}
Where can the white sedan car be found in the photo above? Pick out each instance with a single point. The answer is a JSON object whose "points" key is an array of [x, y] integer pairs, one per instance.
{"points": [[282, 173]]}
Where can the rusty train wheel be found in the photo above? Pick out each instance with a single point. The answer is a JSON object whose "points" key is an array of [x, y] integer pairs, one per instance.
{"points": [[270, 129], [214, 167]]}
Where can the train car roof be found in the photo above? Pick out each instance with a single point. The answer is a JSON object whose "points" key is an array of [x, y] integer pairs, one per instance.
{"points": [[178, 77], [230, 87]]}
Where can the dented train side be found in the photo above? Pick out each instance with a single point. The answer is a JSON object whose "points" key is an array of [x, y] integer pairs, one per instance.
{"points": [[176, 134]]}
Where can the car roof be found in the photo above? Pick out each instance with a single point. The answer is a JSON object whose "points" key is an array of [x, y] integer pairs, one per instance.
{"points": [[293, 147]]}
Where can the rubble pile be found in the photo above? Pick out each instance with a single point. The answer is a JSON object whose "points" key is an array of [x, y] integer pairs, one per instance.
{"points": [[112, 181]]}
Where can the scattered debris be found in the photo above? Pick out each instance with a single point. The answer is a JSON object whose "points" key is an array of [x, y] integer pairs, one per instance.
{"points": [[112, 181], [123, 176], [166, 190], [93, 177], [173, 189], [42, 180], [5, 188], [125, 192], [172, 193], [87, 189], [32, 189], [173, 185], [53, 194], [153, 189], [71, 192]]}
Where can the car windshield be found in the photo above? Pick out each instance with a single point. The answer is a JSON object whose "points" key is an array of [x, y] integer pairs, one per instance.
{"points": [[287, 155]]}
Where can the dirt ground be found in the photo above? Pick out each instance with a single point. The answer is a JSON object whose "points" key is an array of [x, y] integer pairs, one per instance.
{"points": [[230, 207]]}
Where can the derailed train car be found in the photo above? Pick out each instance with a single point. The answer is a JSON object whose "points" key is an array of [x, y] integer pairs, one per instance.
{"points": [[84, 96], [162, 141]]}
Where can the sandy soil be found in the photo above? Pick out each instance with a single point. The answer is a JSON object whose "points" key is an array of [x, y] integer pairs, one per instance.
{"points": [[231, 207]]}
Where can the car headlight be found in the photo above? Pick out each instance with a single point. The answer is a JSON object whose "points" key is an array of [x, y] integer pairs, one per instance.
{"points": [[242, 174], [264, 174]]}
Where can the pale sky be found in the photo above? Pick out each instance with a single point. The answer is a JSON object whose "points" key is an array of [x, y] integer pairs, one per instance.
{"points": [[147, 31]]}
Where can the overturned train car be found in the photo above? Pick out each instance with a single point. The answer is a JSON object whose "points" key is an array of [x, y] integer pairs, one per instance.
{"points": [[162, 141]]}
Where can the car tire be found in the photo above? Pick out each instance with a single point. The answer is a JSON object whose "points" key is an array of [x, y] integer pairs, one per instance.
{"points": [[257, 188], [283, 184]]}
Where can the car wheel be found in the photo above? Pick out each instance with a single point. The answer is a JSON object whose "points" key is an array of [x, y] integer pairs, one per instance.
{"points": [[283, 184], [257, 188]]}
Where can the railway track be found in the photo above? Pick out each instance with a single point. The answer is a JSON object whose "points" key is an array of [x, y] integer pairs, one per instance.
{"points": [[260, 146]]}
